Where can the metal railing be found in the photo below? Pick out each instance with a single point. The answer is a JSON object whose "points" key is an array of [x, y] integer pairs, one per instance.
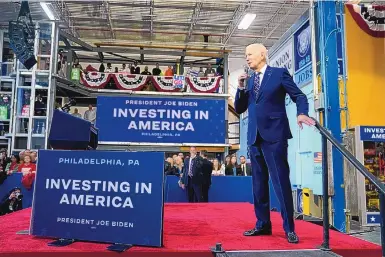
{"points": [[327, 136]]}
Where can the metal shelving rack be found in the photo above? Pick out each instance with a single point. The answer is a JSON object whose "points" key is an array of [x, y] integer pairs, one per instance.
{"points": [[7, 85], [31, 116]]}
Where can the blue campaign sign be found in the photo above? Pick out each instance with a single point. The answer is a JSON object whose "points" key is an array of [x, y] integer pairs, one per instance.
{"points": [[161, 120], [302, 47], [112, 197], [304, 76], [372, 133]]}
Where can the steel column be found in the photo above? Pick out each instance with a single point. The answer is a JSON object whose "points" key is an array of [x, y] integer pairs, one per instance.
{"points": [[326, 15], [226, 91]]}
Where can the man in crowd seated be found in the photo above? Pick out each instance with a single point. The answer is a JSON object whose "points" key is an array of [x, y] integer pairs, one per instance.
{"points": [[146, 72], [246, 169]]}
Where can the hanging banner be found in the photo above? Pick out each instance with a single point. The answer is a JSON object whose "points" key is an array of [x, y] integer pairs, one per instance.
{"points": [[99, 196], [164, 84], [302, 55], [284, 57], [371, 133], [161, 120]]}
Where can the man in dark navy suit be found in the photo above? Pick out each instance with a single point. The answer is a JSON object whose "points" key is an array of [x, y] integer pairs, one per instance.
{"points": [[263, 95], [193, 178]]}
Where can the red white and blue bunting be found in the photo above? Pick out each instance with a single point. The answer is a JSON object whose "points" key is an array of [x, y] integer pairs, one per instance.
{"points": [[204, 85], [95, 79], [130, 82], [164, 84], [136, 82], [370, 18]]}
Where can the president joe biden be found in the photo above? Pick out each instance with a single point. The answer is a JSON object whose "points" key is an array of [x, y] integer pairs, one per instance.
{"points": [[262, 93]]}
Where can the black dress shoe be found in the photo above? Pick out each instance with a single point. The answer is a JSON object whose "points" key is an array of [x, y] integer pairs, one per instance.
{"points": [[266, 231], [292, 238]]}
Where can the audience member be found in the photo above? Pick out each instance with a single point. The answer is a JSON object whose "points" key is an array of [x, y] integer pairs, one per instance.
{"points": [[233, 168], [207, 168], [12, 202], [218, 169], [156, 71]]}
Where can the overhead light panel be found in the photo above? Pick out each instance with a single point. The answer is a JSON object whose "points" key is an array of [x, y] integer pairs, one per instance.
{"points": [[247, 20], [47, 10]]}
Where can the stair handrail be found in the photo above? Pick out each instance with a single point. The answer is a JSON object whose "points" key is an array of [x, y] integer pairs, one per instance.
{"points": [[327, 136]]}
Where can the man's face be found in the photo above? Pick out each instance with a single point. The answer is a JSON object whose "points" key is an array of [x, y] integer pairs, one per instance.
{"points": [[180, 155], [243, 160], [90, 107], [193, 151], [254, 56]]}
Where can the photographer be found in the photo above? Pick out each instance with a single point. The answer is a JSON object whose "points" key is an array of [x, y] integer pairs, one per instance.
{"points": [[12, 202]]}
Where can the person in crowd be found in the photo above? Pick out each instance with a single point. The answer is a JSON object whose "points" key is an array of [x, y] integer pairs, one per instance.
{"points": [[116, 70], [13, 166], [181, 155], [201, 73], [207, 169], [263, 97], [109, 68], [90, 114], [156, 71], [124, 69], [76, 113], [178, 164], [233, 168], [33, 156], [135, 69], [210, 72], [12, 202], [169, 72], [246, 169], [4, 159], [169, 168], [227, 160], [218, 169], [27, 166], [193, 176], [146, 72], [77, 65]]}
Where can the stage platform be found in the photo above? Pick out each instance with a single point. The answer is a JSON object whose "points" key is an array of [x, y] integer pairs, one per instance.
{"points": [[190, 230]]}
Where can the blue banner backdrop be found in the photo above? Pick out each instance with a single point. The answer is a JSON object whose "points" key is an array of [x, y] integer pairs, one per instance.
{"points": [[161, 120], [112, 197], [302, 55], [371, 133]]}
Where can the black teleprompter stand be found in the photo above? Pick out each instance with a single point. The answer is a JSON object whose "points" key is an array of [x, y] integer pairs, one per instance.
{"points": [[119, 247], [218, 250], [61, 242]]}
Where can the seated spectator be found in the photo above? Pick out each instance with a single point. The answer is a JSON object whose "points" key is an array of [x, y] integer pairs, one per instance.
{"points": [[135, 69], [178, 164], [116, 70], [169, 168], [210, 72], [12, 202], [218, 169], [109, 68], [13, 166], [156, 71], [124, 69], [233, 168]]}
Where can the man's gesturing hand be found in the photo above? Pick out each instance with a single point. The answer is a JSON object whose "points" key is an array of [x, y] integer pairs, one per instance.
{"points": [[303, 119]]}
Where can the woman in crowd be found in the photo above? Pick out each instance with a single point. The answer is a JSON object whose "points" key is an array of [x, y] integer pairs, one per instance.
{"points": [[178, 164], [233, 168], [169, 168], [13, 166], [218, 169]]}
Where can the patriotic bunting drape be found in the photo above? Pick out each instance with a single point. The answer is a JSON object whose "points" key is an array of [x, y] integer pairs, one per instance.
{"points": [[136, 82]]}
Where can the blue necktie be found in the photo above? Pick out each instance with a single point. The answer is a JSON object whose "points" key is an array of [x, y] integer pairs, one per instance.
{"points": [[257, 83], [190, 174]]}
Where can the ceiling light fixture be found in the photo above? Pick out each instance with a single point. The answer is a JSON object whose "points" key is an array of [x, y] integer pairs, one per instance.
{"points": [[47, 10], [247, 20]]}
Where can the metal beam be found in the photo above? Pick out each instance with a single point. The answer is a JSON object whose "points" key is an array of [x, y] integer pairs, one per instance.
{"points": [[194, 19], [65, 15], [107, 12], [76, 40], [123, 57], [277, 18], [235, 20], [151, 19]]}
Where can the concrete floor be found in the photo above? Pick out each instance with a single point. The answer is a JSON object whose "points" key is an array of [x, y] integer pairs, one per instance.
{"points": [[371, 235]]}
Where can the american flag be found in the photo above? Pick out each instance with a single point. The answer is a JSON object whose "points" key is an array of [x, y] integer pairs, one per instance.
{"points": [[317, 157]]}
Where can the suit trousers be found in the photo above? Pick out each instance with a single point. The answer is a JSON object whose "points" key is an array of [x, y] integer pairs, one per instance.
{"points": [[205, 193], [194, 192], [270, 158]]}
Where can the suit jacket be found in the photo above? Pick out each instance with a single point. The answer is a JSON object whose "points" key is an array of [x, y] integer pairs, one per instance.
{"points": [[267, 111], [248, 170], [207, 169], [197, 171]]}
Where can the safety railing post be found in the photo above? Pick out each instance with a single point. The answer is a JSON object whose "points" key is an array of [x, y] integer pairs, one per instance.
{"points": [[325, 189]]}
